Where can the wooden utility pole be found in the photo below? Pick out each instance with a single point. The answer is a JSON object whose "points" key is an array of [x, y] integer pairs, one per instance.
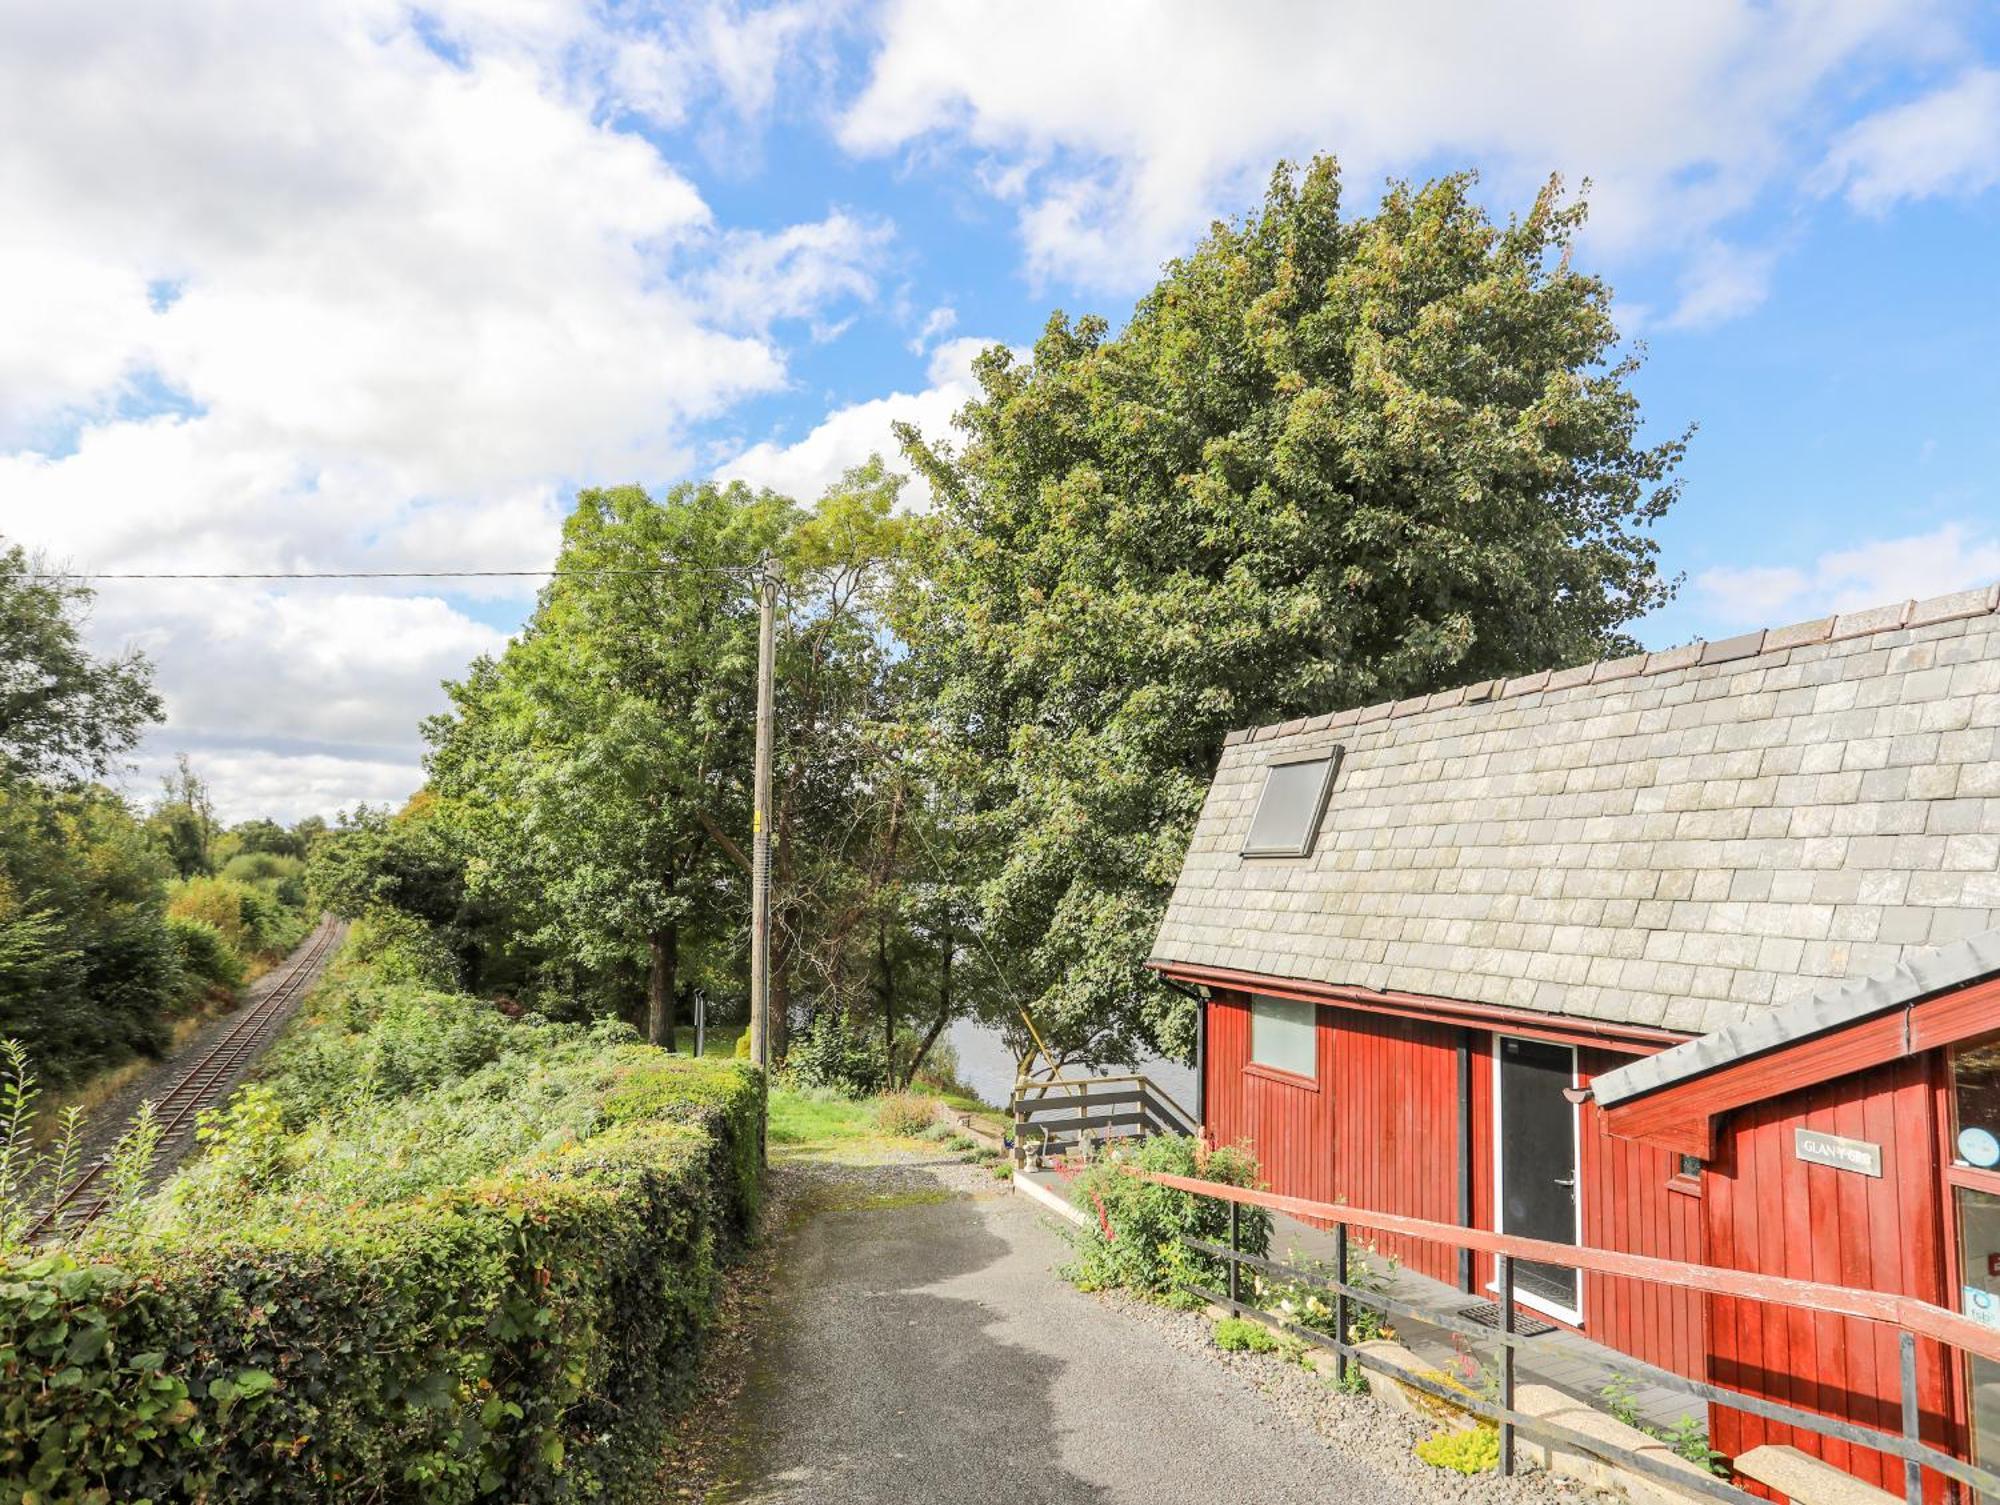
{"points": [[760, 821]]}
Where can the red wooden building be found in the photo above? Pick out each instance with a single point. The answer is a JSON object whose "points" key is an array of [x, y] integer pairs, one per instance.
{"points": [[1686, 954]]}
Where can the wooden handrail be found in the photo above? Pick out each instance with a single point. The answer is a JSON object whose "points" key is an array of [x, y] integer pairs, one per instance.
{"points": [[1907, 1312], [1074, 1081]]}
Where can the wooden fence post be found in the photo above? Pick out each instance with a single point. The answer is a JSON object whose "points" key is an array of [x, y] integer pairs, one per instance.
{"points": [[1506, 1360], [1235, 1246], [1913, 1472], [1340, 1302]]}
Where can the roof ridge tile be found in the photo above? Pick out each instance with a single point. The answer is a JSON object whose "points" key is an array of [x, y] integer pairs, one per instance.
{"points": [[1949, 607]]}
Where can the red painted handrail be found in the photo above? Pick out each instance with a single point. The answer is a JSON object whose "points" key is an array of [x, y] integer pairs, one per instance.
{"points": [[1919, 1317]]}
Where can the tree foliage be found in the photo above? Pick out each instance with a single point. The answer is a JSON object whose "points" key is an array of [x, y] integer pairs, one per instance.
{"points": [[1328, 461], [598, 773], [88, 971], [184, 820], [597, 765], [64, 713]]}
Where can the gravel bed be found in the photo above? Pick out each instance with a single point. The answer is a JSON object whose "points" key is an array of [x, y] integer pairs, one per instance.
{"points": [[108, 1122], [1369, 1431]]}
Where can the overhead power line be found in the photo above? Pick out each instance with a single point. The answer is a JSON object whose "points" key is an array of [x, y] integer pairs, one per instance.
{"points": [[666, 569]]}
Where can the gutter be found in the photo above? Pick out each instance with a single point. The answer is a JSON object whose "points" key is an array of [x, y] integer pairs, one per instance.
{"points": [[1630, 1039]]}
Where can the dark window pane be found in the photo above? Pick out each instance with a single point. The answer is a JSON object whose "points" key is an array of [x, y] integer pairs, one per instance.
{"points": [[1289, 810]]}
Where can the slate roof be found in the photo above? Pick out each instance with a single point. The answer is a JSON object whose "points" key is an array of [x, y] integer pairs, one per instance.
{"points": [[1679, 839], [1925, 973]]}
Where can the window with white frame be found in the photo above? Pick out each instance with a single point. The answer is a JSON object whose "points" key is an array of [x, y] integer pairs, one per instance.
{"points": [[1284, 1035]]}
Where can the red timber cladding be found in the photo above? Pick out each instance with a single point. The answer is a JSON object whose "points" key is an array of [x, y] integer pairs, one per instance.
{"points": [[1378, 1129], [1285, 1121], [1767, 1210], [1395, 1111], [1629, 1206]]}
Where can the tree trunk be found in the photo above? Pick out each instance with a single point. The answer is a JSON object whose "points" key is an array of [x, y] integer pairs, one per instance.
{"points": [[944, 1013], [888, 985], [781, 1010], [663, 947]]}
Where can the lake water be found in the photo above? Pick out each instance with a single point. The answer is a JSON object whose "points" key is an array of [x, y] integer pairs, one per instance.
{"points": [[986, 1065]]}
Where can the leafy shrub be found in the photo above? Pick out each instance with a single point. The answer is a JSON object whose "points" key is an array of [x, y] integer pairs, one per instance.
{"points": [[1239, 1335], [519, 1335], [207, 960], [1310, 1305], [402, 948], [253, 921], [1689, 1438], [134, 971], [25, 1169], [87, 974], [280, 875], [904, 1113], [830, 1052], [1134, 1237], [1470, 1452]]}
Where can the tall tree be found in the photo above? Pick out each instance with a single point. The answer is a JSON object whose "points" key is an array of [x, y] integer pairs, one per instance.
{"points": [[184, 819], [1328, 461], [593, 764], [601, 766], [64, 713]]}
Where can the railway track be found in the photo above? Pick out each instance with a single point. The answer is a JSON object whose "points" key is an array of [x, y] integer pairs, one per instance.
{"points": [[203, 1085]]}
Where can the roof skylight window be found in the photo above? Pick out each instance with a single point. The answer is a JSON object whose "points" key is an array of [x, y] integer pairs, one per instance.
{"points": [[1289, 810]]}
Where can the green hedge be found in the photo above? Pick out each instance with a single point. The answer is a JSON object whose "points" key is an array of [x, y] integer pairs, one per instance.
{"points": [[521, 1338]]}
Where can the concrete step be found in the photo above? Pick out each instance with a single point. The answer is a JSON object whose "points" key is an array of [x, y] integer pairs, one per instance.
{"points": [[1807, 1480]]}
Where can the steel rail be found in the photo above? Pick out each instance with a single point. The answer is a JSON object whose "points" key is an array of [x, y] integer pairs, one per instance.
{"points": [[201, 1086]]}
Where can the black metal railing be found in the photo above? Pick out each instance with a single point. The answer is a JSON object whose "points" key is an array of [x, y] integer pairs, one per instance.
{"points": [[1906, 1445]]}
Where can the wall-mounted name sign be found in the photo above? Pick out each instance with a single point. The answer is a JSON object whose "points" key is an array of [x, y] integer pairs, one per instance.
{"points": [[1858, 1155]]}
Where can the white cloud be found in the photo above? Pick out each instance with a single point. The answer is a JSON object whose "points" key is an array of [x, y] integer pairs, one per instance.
{"points": [[759, 278], [1722, 282], [937, 324], [415, 285], [247, 785], [1876, 573], [1947, 142], [1120, 129], [847, 436]]}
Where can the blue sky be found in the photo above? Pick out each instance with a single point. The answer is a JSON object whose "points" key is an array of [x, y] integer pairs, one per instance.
{"points": [[351, 284]]}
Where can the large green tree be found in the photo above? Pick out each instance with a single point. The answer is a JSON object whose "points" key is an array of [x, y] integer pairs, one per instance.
{"points": [[65, 713], [595, 766], [1329, 460], [88, 972], [600, 769]]}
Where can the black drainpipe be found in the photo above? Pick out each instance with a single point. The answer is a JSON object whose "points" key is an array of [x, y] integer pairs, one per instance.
{"points": [[1465, 1153], [1201, 1064]]}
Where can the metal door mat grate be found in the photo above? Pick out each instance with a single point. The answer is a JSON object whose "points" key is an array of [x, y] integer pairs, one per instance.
{"points": [[1487, 1314]]}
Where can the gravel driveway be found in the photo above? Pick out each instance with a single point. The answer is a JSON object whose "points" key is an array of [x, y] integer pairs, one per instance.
{"points": [[921, 1349]]}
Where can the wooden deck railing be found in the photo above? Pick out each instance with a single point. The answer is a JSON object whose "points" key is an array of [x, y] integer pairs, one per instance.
{"points": [[1914, 1318], [1058, 1112]]}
